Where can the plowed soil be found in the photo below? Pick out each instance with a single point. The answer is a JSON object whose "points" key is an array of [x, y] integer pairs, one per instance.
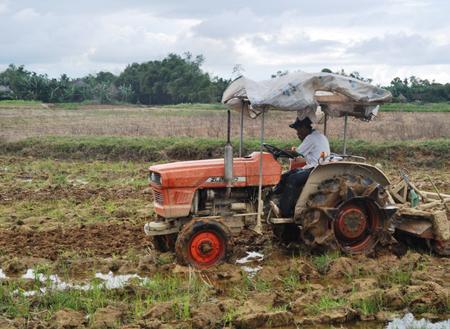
{"points": [[100, 239], [79, 218]]}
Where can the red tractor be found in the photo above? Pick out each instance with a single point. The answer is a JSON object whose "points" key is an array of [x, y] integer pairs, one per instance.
{"points": [[345, 205]]}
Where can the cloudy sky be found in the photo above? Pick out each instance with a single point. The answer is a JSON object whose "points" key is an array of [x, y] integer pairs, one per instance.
{"points": [[380, 39]]}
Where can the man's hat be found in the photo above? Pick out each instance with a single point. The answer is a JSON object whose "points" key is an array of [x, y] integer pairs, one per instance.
{"points": [[306, 122]]}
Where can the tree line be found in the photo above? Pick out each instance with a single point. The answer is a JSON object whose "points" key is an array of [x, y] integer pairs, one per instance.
{"points": [[172, 80], [412, 89], [175, 79]]}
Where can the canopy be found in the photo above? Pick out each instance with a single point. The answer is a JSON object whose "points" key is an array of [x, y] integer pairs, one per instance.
{"points": [[337, 95]]}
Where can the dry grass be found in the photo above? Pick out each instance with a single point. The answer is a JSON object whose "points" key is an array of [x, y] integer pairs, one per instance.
{"points": [[21, 122]]}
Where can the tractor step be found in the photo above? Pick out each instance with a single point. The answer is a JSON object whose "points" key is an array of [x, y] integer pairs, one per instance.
{"points": [[282, 220]]}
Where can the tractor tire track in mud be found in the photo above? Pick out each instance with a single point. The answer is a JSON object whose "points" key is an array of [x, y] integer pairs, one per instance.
{"points": [[98, 239]]}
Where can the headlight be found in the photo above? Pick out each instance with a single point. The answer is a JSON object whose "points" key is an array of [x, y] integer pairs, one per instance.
{"points": [[154, 177]]}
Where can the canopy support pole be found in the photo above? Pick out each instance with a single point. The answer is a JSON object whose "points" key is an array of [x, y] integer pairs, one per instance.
{"points": [[258, 227], [241, 132], [228, 158], [325, 124], [345, 133]]}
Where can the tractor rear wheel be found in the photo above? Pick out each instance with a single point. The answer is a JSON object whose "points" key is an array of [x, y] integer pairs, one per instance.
{"points": [[203, 243], [347, 214]]}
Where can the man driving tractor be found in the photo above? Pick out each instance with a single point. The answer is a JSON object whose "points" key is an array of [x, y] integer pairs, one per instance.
{"points": [[314, 144]]}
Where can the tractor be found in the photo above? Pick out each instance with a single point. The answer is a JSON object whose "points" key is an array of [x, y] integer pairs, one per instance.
{"points": [[345, 205]]}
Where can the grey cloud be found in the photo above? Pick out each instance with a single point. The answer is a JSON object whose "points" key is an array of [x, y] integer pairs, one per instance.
{"points": [[202, 8], [81, 36], [404, 49], [298, 45], [233, 24], [42, 38]]}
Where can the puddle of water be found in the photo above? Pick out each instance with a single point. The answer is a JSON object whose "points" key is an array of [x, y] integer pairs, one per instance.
{"points": [[409, 322]]}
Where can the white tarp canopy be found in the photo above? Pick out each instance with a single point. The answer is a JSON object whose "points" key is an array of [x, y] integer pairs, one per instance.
{"points": [[303, 92]]}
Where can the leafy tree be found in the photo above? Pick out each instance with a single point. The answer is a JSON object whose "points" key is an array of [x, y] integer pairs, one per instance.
{"points": [[175, 79]]}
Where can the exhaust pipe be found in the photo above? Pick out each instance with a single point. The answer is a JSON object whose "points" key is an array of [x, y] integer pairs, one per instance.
{"points": [[228, 159]]}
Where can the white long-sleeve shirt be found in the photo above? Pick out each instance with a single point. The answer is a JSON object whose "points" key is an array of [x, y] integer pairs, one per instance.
{"points": [[312, 146]]}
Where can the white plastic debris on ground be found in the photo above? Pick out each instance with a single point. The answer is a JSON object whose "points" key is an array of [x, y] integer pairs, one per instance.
{"points": [[252, 256], [110, 281], [409, 322], [2, 275], [53, 281], [251, 270]]}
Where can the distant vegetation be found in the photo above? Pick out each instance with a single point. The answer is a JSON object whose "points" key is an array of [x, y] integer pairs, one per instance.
{"points": [[173, 80], [416, 107], [418, 90]]}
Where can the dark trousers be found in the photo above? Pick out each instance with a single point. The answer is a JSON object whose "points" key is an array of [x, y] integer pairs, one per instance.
{"points": [[290, 186]]}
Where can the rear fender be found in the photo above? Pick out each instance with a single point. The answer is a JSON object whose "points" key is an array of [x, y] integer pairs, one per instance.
{"points": [[334, 169]]}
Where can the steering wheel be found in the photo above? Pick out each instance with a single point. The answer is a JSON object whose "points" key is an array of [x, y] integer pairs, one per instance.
{"points": [[277, 152]]}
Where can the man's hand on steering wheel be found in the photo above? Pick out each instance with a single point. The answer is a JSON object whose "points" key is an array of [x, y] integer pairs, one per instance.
{"points": [[277, 152]]}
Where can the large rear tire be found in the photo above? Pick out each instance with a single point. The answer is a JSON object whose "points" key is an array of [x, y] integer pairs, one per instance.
{"points": [[347, 214], [203, 243]]}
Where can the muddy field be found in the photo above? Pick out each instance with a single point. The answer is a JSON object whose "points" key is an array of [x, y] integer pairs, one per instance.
{"points": [[73, 254]]}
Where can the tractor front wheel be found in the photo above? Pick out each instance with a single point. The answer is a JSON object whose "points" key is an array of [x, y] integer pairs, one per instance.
{"points": [[203, 243]]}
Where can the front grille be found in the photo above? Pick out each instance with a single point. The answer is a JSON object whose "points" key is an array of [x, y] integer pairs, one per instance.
{"points": [[159, 197]]}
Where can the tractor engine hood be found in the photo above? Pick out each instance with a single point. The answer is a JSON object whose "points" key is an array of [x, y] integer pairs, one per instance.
{"points": [[210, 173]]}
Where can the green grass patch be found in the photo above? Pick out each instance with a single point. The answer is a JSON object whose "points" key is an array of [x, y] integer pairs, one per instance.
{"points": [[323, 262], [416, 107], [195, 106], [189, 107], [397, 276], [19, 102], [369, 306], [431, 153], [44, 213], [324, 304], [68, 106], [291, 281], [182, 292]]}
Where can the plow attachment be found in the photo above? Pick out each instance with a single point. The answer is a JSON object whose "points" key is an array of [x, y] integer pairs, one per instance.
{"points": [[423, 215]]}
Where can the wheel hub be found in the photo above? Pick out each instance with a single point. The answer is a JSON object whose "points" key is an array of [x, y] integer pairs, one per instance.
{"points": [[351, 223], [205, 248]]}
